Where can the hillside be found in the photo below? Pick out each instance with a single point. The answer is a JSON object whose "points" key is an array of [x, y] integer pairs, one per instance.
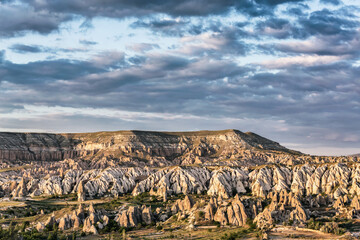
{"points": [[157, 148]]}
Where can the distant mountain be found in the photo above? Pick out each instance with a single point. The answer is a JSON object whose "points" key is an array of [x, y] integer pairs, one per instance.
{"points": [[157, 148]]}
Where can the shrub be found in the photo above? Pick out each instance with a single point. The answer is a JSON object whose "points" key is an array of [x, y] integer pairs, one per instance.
{"points": [[332, 227]]}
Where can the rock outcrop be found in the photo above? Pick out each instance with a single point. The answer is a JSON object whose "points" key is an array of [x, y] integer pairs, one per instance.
{"points": [[175, 180], [21, 190], [183, 205], [225, 213], [81, 192], [90, 219], [226, 181], [131, 217]]}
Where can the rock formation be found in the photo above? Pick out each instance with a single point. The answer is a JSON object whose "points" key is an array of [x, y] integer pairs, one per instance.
{"points": [[228, 176], [21, 190], [128, 147], [130, 217], [226, 181], [81, 192]]}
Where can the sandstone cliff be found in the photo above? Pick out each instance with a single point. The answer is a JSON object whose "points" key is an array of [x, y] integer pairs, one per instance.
{"points": [[141, 148], [137, 147]]}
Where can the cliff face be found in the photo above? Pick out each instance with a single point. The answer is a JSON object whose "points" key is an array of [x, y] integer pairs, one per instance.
{"points": [[151, 146], [35, 146]]}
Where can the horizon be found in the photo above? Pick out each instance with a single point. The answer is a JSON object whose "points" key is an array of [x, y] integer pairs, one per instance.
{"points": [[287, 70]]}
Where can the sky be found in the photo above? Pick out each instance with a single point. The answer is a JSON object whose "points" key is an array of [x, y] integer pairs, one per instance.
{"points": [[288, 70]]}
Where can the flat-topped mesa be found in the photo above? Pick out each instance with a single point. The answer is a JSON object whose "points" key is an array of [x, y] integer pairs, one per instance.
{"points": [[168, 143], [157, 148]]}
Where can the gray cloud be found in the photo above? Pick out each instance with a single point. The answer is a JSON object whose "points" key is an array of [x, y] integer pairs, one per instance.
{"points": [[46, 16], [143, 47], [22, 18], [307, 93], [22, 48], [347, 45], [327, 22], [87, 42], [279, 28], [2, 56], [44, 71], [119, 9], [334, 2]]}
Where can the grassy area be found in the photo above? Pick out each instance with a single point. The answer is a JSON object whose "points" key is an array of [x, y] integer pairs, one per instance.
{"points": [[142, 199], [14, 168], [226, 233], [6, 204]]}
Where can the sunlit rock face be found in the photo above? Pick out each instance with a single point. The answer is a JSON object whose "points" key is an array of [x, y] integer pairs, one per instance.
{"points": [[313, 181], [152, 149], [135, 147]]}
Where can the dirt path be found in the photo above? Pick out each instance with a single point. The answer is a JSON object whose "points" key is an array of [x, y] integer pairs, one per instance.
{"points": [[299, 233]]}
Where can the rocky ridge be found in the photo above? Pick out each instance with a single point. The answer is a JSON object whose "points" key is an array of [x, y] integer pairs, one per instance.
{"points": [[153, 149], [136, 147]]}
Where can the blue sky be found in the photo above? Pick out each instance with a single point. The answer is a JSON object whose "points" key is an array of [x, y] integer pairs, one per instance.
{"points": [[285, 69]]}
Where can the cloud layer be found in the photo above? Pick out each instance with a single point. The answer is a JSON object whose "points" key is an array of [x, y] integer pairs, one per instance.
{"points": [[288, 70]]}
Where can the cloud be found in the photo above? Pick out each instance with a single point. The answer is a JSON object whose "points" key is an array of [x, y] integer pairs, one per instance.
{"points": [[338, 45], [304, 60], [44, 71], [87, 42], [143, 47], [278, 28], [172, 27], [21, 18], [334, 2], [275, 2], [46, 16], [326, 22], [216, 44], [22, 48], [108, 59], [2, 56], [121, 9]]}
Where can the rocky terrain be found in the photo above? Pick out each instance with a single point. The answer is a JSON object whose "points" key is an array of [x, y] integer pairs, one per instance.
{"points": [[108, 182]]}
